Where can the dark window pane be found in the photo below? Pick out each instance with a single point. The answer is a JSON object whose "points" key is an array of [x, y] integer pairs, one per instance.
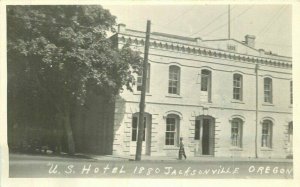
{"points": [[171, 142], [133, 136], [291, 92], [204, 83], [172, 127], [139, 88], [197, 130], [134, 122], [170, 120], [206, 121], [290, 130]]}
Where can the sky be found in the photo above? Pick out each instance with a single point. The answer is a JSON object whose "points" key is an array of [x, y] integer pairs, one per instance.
{"points": [[271, 24]]}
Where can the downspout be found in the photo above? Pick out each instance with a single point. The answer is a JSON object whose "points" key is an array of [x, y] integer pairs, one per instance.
{"points": [[256, 108]]}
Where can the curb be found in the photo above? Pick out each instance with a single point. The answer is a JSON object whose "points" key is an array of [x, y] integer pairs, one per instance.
{"points": [[153, 159]]}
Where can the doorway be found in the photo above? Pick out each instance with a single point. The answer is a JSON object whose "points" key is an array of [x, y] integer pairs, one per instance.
{"points": [[146, 145], [204, 135]]}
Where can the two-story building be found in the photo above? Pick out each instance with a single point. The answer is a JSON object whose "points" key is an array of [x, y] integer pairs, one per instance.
{"points": [[224, 97]]}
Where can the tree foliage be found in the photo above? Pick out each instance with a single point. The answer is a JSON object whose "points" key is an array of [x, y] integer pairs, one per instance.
{"points": [[54, 54]]}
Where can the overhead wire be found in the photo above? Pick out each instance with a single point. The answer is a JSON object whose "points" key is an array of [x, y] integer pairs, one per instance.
{"points": [[163, 26], [214, 20], [180, 15], [231, 20], [274, 17], [266, 28], [272, 44]]}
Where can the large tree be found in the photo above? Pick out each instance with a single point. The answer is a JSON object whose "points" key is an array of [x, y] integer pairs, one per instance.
{"points": [[54, 53]]}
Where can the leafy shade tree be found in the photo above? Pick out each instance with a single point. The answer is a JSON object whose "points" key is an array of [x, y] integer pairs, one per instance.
{"points": [[54, 53]]}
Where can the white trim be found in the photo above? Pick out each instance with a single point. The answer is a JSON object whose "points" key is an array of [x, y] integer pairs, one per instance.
{"points": [[267, 118], [175, 64], [206, 105], [207, 68], [241, 56], [170, 112], [238, 72], [237, 116], [267, 76]]}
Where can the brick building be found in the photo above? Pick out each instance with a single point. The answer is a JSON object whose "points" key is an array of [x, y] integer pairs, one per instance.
{"points": [[205, 92]]}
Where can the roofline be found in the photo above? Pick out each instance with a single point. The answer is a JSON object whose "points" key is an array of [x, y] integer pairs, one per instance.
{"points": [[235, 41], [190, 39], [174, 36], [246, 46]]}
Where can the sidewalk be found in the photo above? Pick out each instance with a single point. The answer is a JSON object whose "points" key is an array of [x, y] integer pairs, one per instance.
{"points": [[191, 158], [81, 156]]}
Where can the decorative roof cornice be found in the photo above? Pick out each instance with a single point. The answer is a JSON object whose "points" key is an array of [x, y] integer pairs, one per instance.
{"points": [[189, 48]]}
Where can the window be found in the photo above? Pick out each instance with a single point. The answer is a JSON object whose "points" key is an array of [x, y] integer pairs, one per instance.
{"points": [[237, 86], [291, 92], [172, 130], [134, 128], [268, 90], [197, 130], [236, 132], [206, 85], [266, 140], [140, 80], [174, 79], [231, 47], [205, 80], [290, 131]]}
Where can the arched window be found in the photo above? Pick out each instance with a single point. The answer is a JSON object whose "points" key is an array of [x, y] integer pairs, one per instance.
{"points": [[236, 132], [140, 80], [237, 87], [174, 80], [291, 92], [290, 132], [172, 129], [206, 84], [268, 90], [205, 80], [266, 139]]}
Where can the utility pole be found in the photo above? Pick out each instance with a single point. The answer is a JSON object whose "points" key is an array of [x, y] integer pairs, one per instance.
{"points": [[228, 21], [256, 109], [139, 142]]}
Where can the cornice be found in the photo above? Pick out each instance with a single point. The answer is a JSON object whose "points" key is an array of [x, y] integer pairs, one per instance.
{"points": [[202, 51]]}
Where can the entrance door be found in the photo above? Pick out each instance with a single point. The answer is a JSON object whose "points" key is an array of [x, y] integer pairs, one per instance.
{"points": [[204, 136], [146, 145]]}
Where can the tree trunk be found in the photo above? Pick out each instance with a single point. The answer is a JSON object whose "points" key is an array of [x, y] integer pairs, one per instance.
{"points": [[69, 133]]}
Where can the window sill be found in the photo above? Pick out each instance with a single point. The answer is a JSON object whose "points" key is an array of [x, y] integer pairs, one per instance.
{"points": [[139, 93], [268, 104], [266, 149], [170, 147], [173, 96], [236, 149], [237, 101], [207, 102]]}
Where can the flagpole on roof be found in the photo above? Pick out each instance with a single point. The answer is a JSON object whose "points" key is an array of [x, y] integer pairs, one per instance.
{"points": [[228, 21]]}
